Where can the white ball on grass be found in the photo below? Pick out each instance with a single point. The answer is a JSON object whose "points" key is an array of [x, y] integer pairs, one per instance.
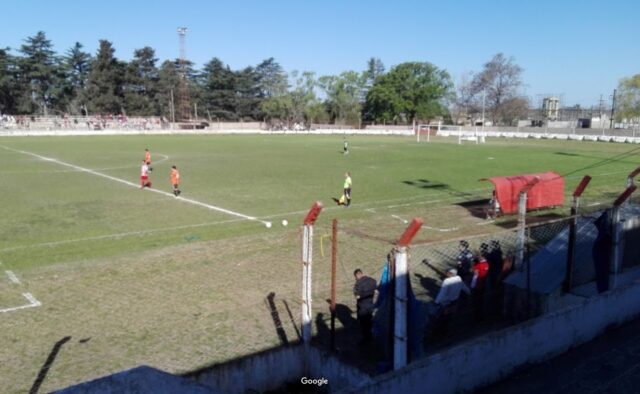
{"points": [[284, 222], [268, 224]]}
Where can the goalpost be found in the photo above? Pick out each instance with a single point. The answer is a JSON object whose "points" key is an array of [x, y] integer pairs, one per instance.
{"points": [[424, 132]]}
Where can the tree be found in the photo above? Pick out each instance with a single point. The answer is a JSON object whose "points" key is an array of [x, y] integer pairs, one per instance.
{"points": [[628, 99], [219, 85], [500, 80], [77, 65], [414, 90], [9, 89], [271, 79], [464, 105], [40, 75], [343, 96], [375, 68], [248, 92], [104, 93], [141, 84], [304, 102], [168, 83], [300, 105]]}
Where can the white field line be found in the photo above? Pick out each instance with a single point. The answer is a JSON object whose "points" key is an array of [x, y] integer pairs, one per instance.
{"points": [[164, 158], [442, 230], [187, 200], [33, 303], [399, 218], [12, 277], [117, 235]]}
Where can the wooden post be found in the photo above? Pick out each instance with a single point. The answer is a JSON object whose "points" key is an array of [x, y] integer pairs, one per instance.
{"points": [[334, 263]]}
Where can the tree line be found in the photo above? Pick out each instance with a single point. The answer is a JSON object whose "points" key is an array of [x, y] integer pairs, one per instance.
{"points": [[37, 81]]}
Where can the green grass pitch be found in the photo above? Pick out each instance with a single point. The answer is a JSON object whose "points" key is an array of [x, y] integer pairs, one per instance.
{"points": [[139, 277]]}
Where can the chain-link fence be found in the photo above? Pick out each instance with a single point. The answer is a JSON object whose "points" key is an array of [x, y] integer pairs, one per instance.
{"points": [[511, 275]]}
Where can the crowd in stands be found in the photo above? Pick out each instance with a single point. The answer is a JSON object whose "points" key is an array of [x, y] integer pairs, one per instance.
{"points": [[95, 122]]}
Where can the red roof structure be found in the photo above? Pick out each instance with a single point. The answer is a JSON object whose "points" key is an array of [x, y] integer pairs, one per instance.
{"points": [[546, 192]]}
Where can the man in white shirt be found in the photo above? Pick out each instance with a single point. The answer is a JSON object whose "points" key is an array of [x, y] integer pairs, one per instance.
{"points": [[451, 288], [439, 312]]}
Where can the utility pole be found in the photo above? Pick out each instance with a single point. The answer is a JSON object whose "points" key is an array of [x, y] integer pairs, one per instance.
{"points": [[173, 109], [184, 107], [484, 91], [613, 107]]}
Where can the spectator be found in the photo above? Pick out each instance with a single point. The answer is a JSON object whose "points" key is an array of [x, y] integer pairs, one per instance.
{"points": [[440, 311], [480, 273], [450, 290], [465, 261], [495, 259], [494, 207], [364, 290]]}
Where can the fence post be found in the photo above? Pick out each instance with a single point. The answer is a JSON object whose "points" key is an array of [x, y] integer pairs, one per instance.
{"points": [[631, 176], [307, 256], [616, 232], [334, 263], [520, 235], [573, 225], [522, 216], [401, 279]]}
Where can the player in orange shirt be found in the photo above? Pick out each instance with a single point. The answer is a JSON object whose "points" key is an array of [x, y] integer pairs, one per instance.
{"points": [[147, 158], [175, 181]]}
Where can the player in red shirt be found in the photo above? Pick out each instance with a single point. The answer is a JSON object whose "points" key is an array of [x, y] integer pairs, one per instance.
{"points": [[144, 175], [480, 276]]}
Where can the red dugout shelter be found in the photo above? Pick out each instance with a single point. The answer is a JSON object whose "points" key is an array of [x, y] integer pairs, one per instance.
{"points": [[548, 192]]}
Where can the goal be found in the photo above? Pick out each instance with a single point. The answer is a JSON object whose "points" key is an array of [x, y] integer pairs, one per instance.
{"points": [[425, 131]]}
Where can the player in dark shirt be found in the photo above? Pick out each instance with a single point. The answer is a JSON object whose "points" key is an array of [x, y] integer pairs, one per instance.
{"points": [[364, 290]]}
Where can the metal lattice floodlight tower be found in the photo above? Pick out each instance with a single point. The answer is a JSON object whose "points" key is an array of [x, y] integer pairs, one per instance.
{"points": [[184, 108]]}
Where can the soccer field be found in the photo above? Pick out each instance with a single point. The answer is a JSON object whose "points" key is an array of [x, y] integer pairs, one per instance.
{"points": [[138, 277]]}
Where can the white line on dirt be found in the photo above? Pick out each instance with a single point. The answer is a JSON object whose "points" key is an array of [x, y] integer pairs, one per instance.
{"points": [[187, 200], [33, 303], [399, 218], [442, 230], [12, 277]]}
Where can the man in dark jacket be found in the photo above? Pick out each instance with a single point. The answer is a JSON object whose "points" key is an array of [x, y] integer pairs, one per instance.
{"points": [[364, 290]]}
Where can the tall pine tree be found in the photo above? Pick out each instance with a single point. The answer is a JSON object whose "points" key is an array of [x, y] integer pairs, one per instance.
{"points": [[141, 84], [104, 92], [8, 83], [77, 64], [40, 76], [219, 84]]}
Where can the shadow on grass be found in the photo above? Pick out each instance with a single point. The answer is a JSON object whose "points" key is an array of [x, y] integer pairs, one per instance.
{"points": [[477, 208], [430, 185], [44, 370]]}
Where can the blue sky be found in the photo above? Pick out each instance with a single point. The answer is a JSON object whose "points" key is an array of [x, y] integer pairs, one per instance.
{"points": [[579, 48]]}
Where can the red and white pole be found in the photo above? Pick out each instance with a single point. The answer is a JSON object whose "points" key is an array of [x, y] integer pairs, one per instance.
{"points": [[307, 257], [401, 297]]}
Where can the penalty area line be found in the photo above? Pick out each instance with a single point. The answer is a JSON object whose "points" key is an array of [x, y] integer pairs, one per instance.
{"points": [[125, 182], [33, 303]]}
